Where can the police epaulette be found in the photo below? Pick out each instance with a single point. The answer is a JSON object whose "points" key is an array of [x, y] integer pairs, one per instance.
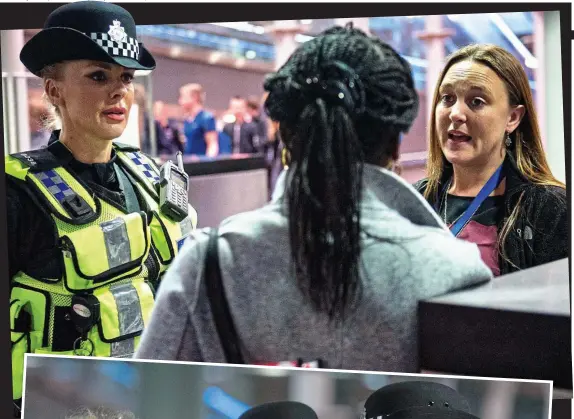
{"points": [[125, 147], [38, 160]]}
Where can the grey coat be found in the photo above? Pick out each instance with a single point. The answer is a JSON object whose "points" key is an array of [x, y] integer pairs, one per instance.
{"points": [[413, 256]]}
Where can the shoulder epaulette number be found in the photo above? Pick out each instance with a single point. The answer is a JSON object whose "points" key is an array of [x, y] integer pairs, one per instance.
{"points": [[37, 160]]}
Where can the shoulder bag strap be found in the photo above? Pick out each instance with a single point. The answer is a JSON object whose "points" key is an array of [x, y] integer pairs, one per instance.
{"points": [[218, 303]]}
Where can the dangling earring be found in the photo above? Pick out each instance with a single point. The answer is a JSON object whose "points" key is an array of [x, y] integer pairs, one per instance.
{"points": [[285, 158], [508, 140]]}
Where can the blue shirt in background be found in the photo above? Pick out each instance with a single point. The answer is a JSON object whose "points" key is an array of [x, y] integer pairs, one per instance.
{"points": [[195, 131]]}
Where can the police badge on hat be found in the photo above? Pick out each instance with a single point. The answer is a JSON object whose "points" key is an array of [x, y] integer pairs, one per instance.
{"points": [[82, 31], [117, 32]]}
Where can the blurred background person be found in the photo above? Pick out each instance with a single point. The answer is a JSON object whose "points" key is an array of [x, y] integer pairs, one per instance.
{"points": [[258, 118], [268, 144], [245, 137], [339, 259], [199, 126], [170, 139], [488, 176]]}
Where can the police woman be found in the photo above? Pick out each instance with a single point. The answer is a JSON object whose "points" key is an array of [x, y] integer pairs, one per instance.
{"points": [[333, 268], [88, 242], [488, 176]]}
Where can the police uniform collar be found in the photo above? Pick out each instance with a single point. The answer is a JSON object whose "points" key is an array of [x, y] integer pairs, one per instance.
{"points": [[104, 171]]}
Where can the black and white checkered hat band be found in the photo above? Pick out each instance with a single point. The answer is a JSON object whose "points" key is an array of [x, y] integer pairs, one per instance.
{"points": [[129, 49]]}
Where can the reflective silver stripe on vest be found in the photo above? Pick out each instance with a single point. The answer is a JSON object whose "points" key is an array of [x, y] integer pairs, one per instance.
{"points": [[130, 318], [117, 242], [185, 226]]}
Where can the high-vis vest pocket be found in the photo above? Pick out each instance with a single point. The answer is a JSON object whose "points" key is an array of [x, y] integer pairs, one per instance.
{"points": [[124, 312], [167, 236], [106, 252], [23, 340], [20, 344], [38, 302]]}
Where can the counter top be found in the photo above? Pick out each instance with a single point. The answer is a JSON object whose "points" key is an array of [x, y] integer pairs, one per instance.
{"points": [[202, 166], [516, 326], [543, 289]]}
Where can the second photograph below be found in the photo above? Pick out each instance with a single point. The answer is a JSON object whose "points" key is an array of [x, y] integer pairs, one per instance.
{"points": [[92, 388]]}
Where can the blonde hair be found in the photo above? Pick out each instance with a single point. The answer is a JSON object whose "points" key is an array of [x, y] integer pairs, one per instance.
{"points": [[101, 413], [194, 88], [526, 139]]}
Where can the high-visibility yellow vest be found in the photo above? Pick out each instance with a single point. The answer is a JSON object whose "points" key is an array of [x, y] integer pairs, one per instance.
{"points": [[104, 251]]}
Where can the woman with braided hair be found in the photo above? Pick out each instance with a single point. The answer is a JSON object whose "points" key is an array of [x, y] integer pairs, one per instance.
{"points": [[333, 267]]}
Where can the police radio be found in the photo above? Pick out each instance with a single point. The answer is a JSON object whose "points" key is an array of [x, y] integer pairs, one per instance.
{"points": [[173, 185]]}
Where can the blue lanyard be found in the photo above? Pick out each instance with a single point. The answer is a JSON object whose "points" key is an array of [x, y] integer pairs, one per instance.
{"points": [[486, 190]]}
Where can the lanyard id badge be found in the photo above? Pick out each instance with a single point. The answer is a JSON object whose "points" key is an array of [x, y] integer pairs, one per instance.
{"points": [[486, 190]]}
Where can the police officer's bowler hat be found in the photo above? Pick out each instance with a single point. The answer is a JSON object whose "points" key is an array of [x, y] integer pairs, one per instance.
{"points": [[280, 410], [87, 30], [417, 400]]}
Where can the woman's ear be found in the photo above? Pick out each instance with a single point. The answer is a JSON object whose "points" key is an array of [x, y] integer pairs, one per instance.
{"points": [[53, 92], [516, 115]]}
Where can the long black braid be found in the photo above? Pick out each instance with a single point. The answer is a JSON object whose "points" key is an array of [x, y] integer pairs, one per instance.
{"points": [[341, 99]]}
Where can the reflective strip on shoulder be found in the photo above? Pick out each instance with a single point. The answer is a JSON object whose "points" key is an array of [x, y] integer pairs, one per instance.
{"points": [[56, 185], [15, 168], [141, 165]]}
